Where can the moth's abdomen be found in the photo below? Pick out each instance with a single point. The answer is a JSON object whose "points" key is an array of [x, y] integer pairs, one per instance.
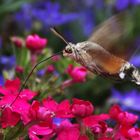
{"points": [[129, 72]]}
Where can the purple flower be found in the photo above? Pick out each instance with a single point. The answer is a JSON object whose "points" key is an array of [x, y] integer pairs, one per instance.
{"points": [[1, 79], [57, 121], [122, 4], [87, 22], [24, 17], [129, 100], [135, 2], [48, 13], [7, 62], [135, 60], [41, 72]]}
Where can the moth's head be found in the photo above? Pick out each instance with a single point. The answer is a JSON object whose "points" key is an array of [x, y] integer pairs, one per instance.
{"points": [[74, 50], [69, 50]]}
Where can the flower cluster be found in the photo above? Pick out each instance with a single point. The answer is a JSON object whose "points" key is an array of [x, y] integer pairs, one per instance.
{"points": [[49, 119]]}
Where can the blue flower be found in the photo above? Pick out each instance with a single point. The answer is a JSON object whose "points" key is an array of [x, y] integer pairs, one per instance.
{"points": [[87, 22], [135, 60], [41, 73], [57, 121], [48, 13], [7, 62], [135, 2], [1, 79], [24, 17], [129, 101], [122, 4]]}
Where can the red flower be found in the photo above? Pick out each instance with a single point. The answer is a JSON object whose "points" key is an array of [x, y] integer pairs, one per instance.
{"points": [[114, 112], [50, 104], [64, 110], [124, 118], [81, 108], [37, 130], [40, 113], [94, 119], [61, 110], [67, 131], [19, 69], [78, 74], [50, 68], [127, 119], [35, 43], [21, 105], [83, 137], [134, 133], [9, 118]]}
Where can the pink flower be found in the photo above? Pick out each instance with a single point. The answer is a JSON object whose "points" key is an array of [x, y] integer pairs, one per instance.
{"points": [[64, 110], [94, 119], [37, 130], [19, 69], [35, 43], [9, 118], [83, 137], [127, 119], [134, 133], [50, 104], [81, 108], [68, 131], [56, 58], [21, 105], [50, 68], [124, 118], [61, 110], [114, 111], [40, 113], [78, 74], [18, 42]]}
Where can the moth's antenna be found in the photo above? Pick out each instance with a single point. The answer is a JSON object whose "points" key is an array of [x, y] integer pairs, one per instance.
{"points": [[29, 75], [59, 35]]}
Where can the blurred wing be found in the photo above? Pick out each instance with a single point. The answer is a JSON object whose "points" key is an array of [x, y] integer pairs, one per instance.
{"points": [[114, 35]]}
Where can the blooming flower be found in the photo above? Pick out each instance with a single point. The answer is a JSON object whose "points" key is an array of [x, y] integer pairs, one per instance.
{"points": [[35, 43], [78, 73], [81, 108], [68, 131], [61, 110], [21, 105], [124, 118], [9, 118], [37, 130]]}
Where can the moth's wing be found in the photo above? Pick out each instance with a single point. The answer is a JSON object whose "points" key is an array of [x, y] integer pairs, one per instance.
{"points": [[115, 35]]}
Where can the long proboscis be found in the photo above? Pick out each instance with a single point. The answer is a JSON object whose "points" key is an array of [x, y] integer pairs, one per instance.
{"points": [[56, 32], [29, 75]]}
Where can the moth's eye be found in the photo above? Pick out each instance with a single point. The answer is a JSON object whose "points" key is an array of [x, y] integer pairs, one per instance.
{"points": [[68, 50]]}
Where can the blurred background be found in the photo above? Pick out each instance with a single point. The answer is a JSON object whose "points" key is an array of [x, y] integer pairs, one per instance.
{"points": [[76, 20]]}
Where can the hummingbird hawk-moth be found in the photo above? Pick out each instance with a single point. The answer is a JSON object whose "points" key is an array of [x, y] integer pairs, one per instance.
{"points": [[99, 54]]}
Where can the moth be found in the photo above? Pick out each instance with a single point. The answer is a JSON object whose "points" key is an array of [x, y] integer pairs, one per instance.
{"points": [[99, 54]]}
